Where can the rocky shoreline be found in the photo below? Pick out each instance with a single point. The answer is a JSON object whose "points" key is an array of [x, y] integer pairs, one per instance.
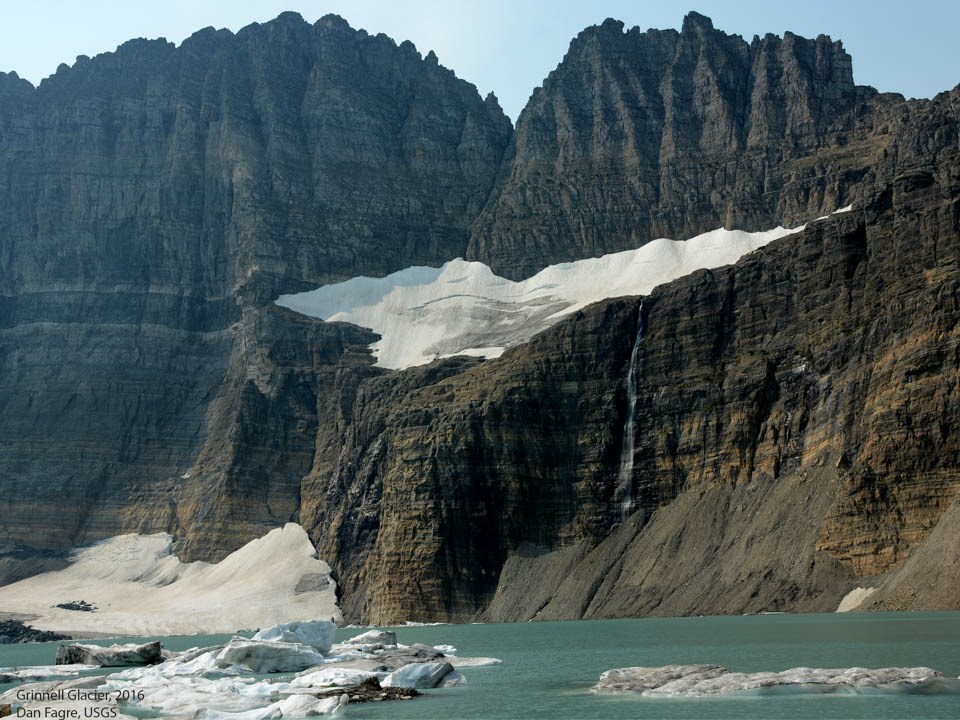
{"points": [[15, 631]]}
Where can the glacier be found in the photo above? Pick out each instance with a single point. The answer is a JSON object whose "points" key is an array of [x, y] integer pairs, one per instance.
{"points": [[463, 308]]}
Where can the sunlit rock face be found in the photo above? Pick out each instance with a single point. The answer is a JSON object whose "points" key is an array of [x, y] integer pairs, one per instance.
{"points": [[760, 478]]}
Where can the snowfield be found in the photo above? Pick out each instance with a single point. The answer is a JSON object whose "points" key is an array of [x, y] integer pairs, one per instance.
{"points": [[140, 588], [462, 308]]}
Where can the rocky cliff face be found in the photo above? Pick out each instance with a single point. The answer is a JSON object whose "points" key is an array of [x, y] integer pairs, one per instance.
{"points": [[796, 423], [154, 200], [428, 478], [795, 433], [637, 136]]}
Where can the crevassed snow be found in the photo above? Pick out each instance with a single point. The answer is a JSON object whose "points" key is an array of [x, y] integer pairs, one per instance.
{"points": [[462, 308], [141, 588]]}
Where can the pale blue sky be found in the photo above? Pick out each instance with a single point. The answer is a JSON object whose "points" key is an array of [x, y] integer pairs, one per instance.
{"points": [[909, 47]]}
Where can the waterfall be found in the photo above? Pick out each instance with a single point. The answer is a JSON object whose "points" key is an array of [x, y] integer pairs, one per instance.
{"points": [[625, 480]]}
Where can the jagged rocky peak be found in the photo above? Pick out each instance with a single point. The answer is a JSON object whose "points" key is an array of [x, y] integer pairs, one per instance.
{"points": [[695, 22], [267, 118], [638, 135]]}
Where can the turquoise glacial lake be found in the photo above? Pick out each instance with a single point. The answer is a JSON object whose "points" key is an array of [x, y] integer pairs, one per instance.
{"points": [[548, 668]]}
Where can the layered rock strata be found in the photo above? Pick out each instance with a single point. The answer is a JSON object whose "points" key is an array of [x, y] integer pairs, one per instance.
{"points": [[427, 478], [639, 135], [795, 430], [155, 201]]}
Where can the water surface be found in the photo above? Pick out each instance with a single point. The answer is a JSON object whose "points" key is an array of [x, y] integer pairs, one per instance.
{"points": [[548, 668]]}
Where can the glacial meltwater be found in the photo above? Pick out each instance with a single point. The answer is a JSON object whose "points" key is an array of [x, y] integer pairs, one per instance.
{"points": [[548, 668], [625, 479]]}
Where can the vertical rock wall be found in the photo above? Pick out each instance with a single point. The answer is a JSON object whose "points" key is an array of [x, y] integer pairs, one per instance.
{"points": [[639, 135], [153, 202]]}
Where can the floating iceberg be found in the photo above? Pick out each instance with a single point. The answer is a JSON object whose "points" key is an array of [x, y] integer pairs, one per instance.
{"points": [[418, 675], [318, 634], [711, 680], [217, 683], [261, 656], [372, 640], [333, 677], [36, 673], [110, 656]]}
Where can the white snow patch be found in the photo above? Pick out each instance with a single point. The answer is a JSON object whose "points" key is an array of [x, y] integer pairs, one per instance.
{"points": [[853, 599], [141, 588], [462, 308], [846, 209]]}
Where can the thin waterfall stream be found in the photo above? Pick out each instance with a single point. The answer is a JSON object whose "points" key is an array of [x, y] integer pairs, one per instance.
{"points": [[625, 479]]}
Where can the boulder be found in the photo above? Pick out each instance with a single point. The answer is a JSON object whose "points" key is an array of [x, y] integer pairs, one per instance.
{"points": [[369, 690], [14, 631]]}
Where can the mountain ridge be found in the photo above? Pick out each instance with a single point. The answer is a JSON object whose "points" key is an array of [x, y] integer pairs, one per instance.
{"points": [[670, 134]]}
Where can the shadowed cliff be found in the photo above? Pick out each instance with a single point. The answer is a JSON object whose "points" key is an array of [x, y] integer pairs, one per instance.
{"points": [[153, 202]]}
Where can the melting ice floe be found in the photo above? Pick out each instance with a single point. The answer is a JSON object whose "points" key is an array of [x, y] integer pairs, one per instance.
{"points": [[217, 682], [711, 680], [141, 588], [462, 308]]}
